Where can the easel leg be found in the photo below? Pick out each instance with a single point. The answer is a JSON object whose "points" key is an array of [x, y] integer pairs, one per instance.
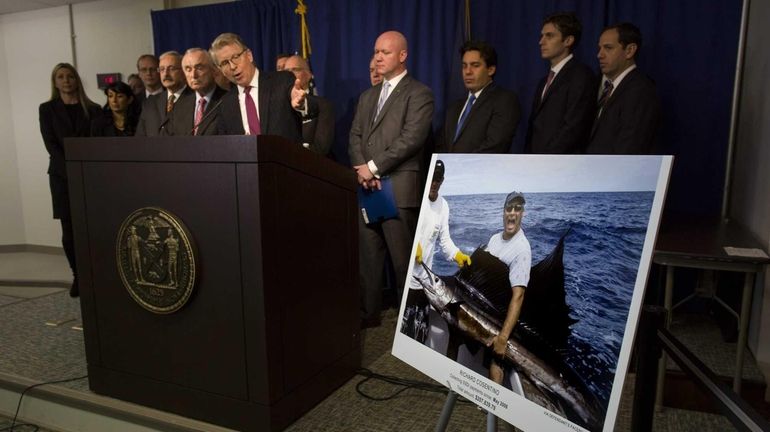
{"points": [[446, 412], [667, 300], [743, 330], [491, 422]]}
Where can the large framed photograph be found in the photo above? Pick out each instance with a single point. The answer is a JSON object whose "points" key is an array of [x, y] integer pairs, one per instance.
{"points": [[527, 281]]}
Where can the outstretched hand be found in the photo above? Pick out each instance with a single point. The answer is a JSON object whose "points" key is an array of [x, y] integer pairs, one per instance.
{"points": [[298, 96]]}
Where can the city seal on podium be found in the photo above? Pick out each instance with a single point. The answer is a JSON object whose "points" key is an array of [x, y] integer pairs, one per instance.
{"points": [[156, 259]]}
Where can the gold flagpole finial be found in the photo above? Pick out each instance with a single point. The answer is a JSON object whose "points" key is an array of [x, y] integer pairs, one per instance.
{"points": [[301, 10]]}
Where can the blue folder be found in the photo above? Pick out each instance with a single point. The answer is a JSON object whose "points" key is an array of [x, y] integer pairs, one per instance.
{"points": [[377, 205]]}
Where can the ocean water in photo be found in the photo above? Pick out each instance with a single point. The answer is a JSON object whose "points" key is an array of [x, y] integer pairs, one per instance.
{"points": [[601, 260]]}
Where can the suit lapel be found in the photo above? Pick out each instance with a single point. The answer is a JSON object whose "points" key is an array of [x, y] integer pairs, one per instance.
{"points": [[558, 81], [624, 84], [209, 116], [483, 98], [394, 95], [264, 102]]}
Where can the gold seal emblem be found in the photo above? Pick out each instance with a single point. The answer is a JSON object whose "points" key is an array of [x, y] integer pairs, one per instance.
{"points": [[156, 259]]}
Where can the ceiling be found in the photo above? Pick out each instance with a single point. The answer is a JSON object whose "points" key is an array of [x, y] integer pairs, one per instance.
{"points": [[11, 6]]}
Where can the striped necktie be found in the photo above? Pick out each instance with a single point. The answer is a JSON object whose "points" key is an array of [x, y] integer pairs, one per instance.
{"points": [[383, 98]]}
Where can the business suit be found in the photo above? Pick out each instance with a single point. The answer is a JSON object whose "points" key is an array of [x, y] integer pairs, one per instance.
{"points": [[489, 127], [276, 115], [394, 142], [183, 120], [59, 121], [630, 118], [318, 131], [561, 119], [154, 121]]}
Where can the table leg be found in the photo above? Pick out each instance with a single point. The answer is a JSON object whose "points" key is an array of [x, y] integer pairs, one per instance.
{"points": [[743, 331], [667, 301]]}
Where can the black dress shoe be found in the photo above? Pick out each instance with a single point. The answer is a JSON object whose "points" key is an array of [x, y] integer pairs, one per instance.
{"points": [[74, 290]]}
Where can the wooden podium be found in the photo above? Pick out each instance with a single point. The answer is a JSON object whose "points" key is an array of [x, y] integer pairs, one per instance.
{"points": [[272, 325]]}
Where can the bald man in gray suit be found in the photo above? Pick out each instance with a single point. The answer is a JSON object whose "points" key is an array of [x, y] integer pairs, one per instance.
{"points": [[391, 124]]}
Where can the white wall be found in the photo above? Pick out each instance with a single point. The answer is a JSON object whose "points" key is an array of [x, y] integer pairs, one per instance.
{"points": [[109, 36], [11, 220], [750, 192], [33, 43]]}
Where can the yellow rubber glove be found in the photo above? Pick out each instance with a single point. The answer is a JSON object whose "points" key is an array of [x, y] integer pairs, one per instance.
{"points": [[462, 259], [418, 256]]}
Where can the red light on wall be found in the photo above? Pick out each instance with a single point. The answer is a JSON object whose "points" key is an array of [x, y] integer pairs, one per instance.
{"points": [[105, 80]]}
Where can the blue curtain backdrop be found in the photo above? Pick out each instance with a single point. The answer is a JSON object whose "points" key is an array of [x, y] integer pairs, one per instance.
{"points": [[689, 49]]}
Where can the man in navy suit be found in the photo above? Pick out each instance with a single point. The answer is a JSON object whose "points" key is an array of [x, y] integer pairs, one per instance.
{"points": [[260, 103], [565, 100], [198, 115], [485, 121], [628, 108], [387, 136]]}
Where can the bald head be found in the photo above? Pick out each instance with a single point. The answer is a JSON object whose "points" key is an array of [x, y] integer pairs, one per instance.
{"points": [[398, 39], [299, 67], [390, 52]]}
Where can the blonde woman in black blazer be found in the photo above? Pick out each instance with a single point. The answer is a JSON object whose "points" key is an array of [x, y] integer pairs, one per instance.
{"points": [[67, 114]]}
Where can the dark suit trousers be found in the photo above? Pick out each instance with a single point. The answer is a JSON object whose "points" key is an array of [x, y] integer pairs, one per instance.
{"points": [[394, 234]]}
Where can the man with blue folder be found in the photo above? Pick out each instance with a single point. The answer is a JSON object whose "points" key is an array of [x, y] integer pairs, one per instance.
{"points": [[389, 129]]}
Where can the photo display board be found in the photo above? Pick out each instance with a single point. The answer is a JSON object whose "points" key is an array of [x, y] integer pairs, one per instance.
{"points": [[559, 249]]}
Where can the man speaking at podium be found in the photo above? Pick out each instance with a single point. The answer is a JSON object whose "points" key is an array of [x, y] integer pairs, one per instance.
{"points": [[260, 103]]}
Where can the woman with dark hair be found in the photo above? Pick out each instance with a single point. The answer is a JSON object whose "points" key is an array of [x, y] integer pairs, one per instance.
{"points": [[120, 115], [67, 114]]}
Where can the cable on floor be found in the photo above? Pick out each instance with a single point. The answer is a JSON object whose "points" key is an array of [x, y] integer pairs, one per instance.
{"points": [[13, 426], [406, 384]]}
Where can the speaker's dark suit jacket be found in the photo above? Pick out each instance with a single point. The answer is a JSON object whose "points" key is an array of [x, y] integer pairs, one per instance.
{"points": [[318, 131], [183, 119], [629, 121], [276, 115], [55, 125], [490, 125], [560, 122], [394, 141], [154, 121]]}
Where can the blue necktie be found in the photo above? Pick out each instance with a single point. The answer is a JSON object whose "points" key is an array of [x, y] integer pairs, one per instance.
{"points": [[464, 116], [383, 98]]}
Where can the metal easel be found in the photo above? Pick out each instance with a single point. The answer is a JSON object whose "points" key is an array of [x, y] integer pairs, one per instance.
{"points": [[446, 413]]}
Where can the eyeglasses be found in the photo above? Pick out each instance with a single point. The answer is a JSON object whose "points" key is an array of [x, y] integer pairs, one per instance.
{"points": [[148, 70], [168, 68], [234, 60], [514, 207]]}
